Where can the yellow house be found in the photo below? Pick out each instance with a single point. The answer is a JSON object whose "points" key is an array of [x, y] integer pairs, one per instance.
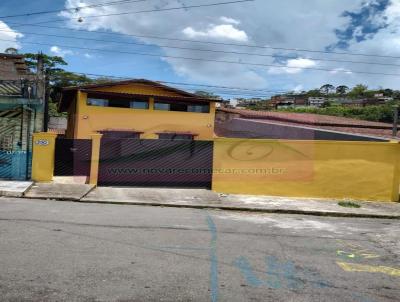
{"points": [[137, 109]]}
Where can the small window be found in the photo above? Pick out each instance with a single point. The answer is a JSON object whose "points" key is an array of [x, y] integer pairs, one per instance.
{"points": [[97, 102], [175, 136], [139, 104], [199, 108], [181, 106], [119, 102], [162, 106], [120, 134]]}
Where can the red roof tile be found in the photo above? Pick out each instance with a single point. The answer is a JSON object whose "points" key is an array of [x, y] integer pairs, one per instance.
{"points": [[308, 119], [333, 123]]}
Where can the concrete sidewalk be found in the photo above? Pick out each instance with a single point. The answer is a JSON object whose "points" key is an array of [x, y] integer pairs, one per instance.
{"points": [[201, 198], [12, 188]]}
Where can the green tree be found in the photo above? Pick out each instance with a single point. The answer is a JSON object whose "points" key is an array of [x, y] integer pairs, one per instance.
{"points": [[327, 88], [342, 89], [314, 93], [388, 92], [358, 91], [207, 95], [56, 77]]}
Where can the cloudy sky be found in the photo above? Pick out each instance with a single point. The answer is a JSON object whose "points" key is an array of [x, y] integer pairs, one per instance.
{"points": [[274, 29]]}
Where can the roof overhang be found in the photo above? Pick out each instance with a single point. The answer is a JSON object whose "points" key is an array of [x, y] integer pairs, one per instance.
{"points": [[69, 94], [127, 82]]}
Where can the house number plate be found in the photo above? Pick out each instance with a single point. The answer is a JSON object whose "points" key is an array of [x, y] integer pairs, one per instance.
{"points": [[42, 142]]}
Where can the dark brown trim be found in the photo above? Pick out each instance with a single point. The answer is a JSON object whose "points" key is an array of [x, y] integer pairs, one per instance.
{"points": [[127, 82], [132, 95], [177, 132], [184, 96]]}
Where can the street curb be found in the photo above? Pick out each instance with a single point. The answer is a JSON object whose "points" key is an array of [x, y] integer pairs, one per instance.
{"points": [[244, 209], [78, 198], [14, 194], [225, 208]]}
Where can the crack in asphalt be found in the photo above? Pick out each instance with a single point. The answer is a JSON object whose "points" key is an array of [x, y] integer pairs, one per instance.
{"points": [[173, 228]]}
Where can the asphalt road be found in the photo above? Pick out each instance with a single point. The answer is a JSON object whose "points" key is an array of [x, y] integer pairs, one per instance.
{"points": [[62, 251]]}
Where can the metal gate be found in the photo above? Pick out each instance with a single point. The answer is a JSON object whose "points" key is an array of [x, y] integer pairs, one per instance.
{"points": [[72, 157], [16, 128], [162, 163]]}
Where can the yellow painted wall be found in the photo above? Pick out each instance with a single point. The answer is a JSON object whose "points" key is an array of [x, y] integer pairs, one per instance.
{"points": [[90, 119], [320, 169], [43, 156]]}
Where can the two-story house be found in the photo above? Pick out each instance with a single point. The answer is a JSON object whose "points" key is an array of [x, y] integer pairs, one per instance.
{"points": [[137, 109]]}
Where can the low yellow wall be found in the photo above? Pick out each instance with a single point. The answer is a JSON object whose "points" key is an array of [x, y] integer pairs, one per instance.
{"points": [[43, 156], [321, 169]]}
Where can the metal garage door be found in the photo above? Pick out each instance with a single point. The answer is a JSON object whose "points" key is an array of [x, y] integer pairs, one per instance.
{"points": [[166, 163]]}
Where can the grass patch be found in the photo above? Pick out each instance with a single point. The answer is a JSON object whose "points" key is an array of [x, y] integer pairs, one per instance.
{"points": [[349, 204]]}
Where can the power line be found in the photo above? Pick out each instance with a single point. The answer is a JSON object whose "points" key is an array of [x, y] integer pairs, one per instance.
{"points": [[15, 24], [255, 93], [182, 84], [215, 61], [207, 50], [147, 11], [236, 93], [76, 9]]}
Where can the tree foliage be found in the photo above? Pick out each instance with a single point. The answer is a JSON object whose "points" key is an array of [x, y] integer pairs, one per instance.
{"points": [[56, 77], [327, 88], [383, 113], [342, 89], [207, 95], [359, 90]]}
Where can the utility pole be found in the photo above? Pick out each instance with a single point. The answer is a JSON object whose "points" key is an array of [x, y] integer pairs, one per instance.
{"points": [[395, 120], [41, 124]]}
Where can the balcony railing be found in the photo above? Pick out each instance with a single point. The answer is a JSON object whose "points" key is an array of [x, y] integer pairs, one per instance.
{"points": [[18, 88]]}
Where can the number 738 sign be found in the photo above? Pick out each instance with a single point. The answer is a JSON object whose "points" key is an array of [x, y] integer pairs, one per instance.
{"points": [[42, 142]]}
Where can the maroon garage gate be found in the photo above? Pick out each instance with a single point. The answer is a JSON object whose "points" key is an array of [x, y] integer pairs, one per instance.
{"points": [[165, 163], [72, 157]]}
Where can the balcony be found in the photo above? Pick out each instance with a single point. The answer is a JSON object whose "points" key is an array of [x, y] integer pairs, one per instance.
{"points": [[18, 89]]}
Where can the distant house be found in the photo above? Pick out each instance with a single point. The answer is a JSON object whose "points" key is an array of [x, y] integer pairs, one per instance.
{"points": [[287, 101], [382, 97], [248, 103], [362, 102], [137, 109], [21, 114], [316, 101]]}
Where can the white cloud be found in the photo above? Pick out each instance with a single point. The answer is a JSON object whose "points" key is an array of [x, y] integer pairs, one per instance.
{"points": [[88, 56], [60, 52], [8, 37], [224, 31], [307, 25], [298, 88], [341, 70], [301, 63], [293, 66], [229, 20]]}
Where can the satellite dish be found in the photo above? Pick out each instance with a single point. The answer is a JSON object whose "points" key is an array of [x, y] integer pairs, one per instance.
{"points": [[11, 51]]}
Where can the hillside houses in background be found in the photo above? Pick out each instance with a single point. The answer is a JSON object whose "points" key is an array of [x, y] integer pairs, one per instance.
{"points": [[358, 96], [301, 100]]}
